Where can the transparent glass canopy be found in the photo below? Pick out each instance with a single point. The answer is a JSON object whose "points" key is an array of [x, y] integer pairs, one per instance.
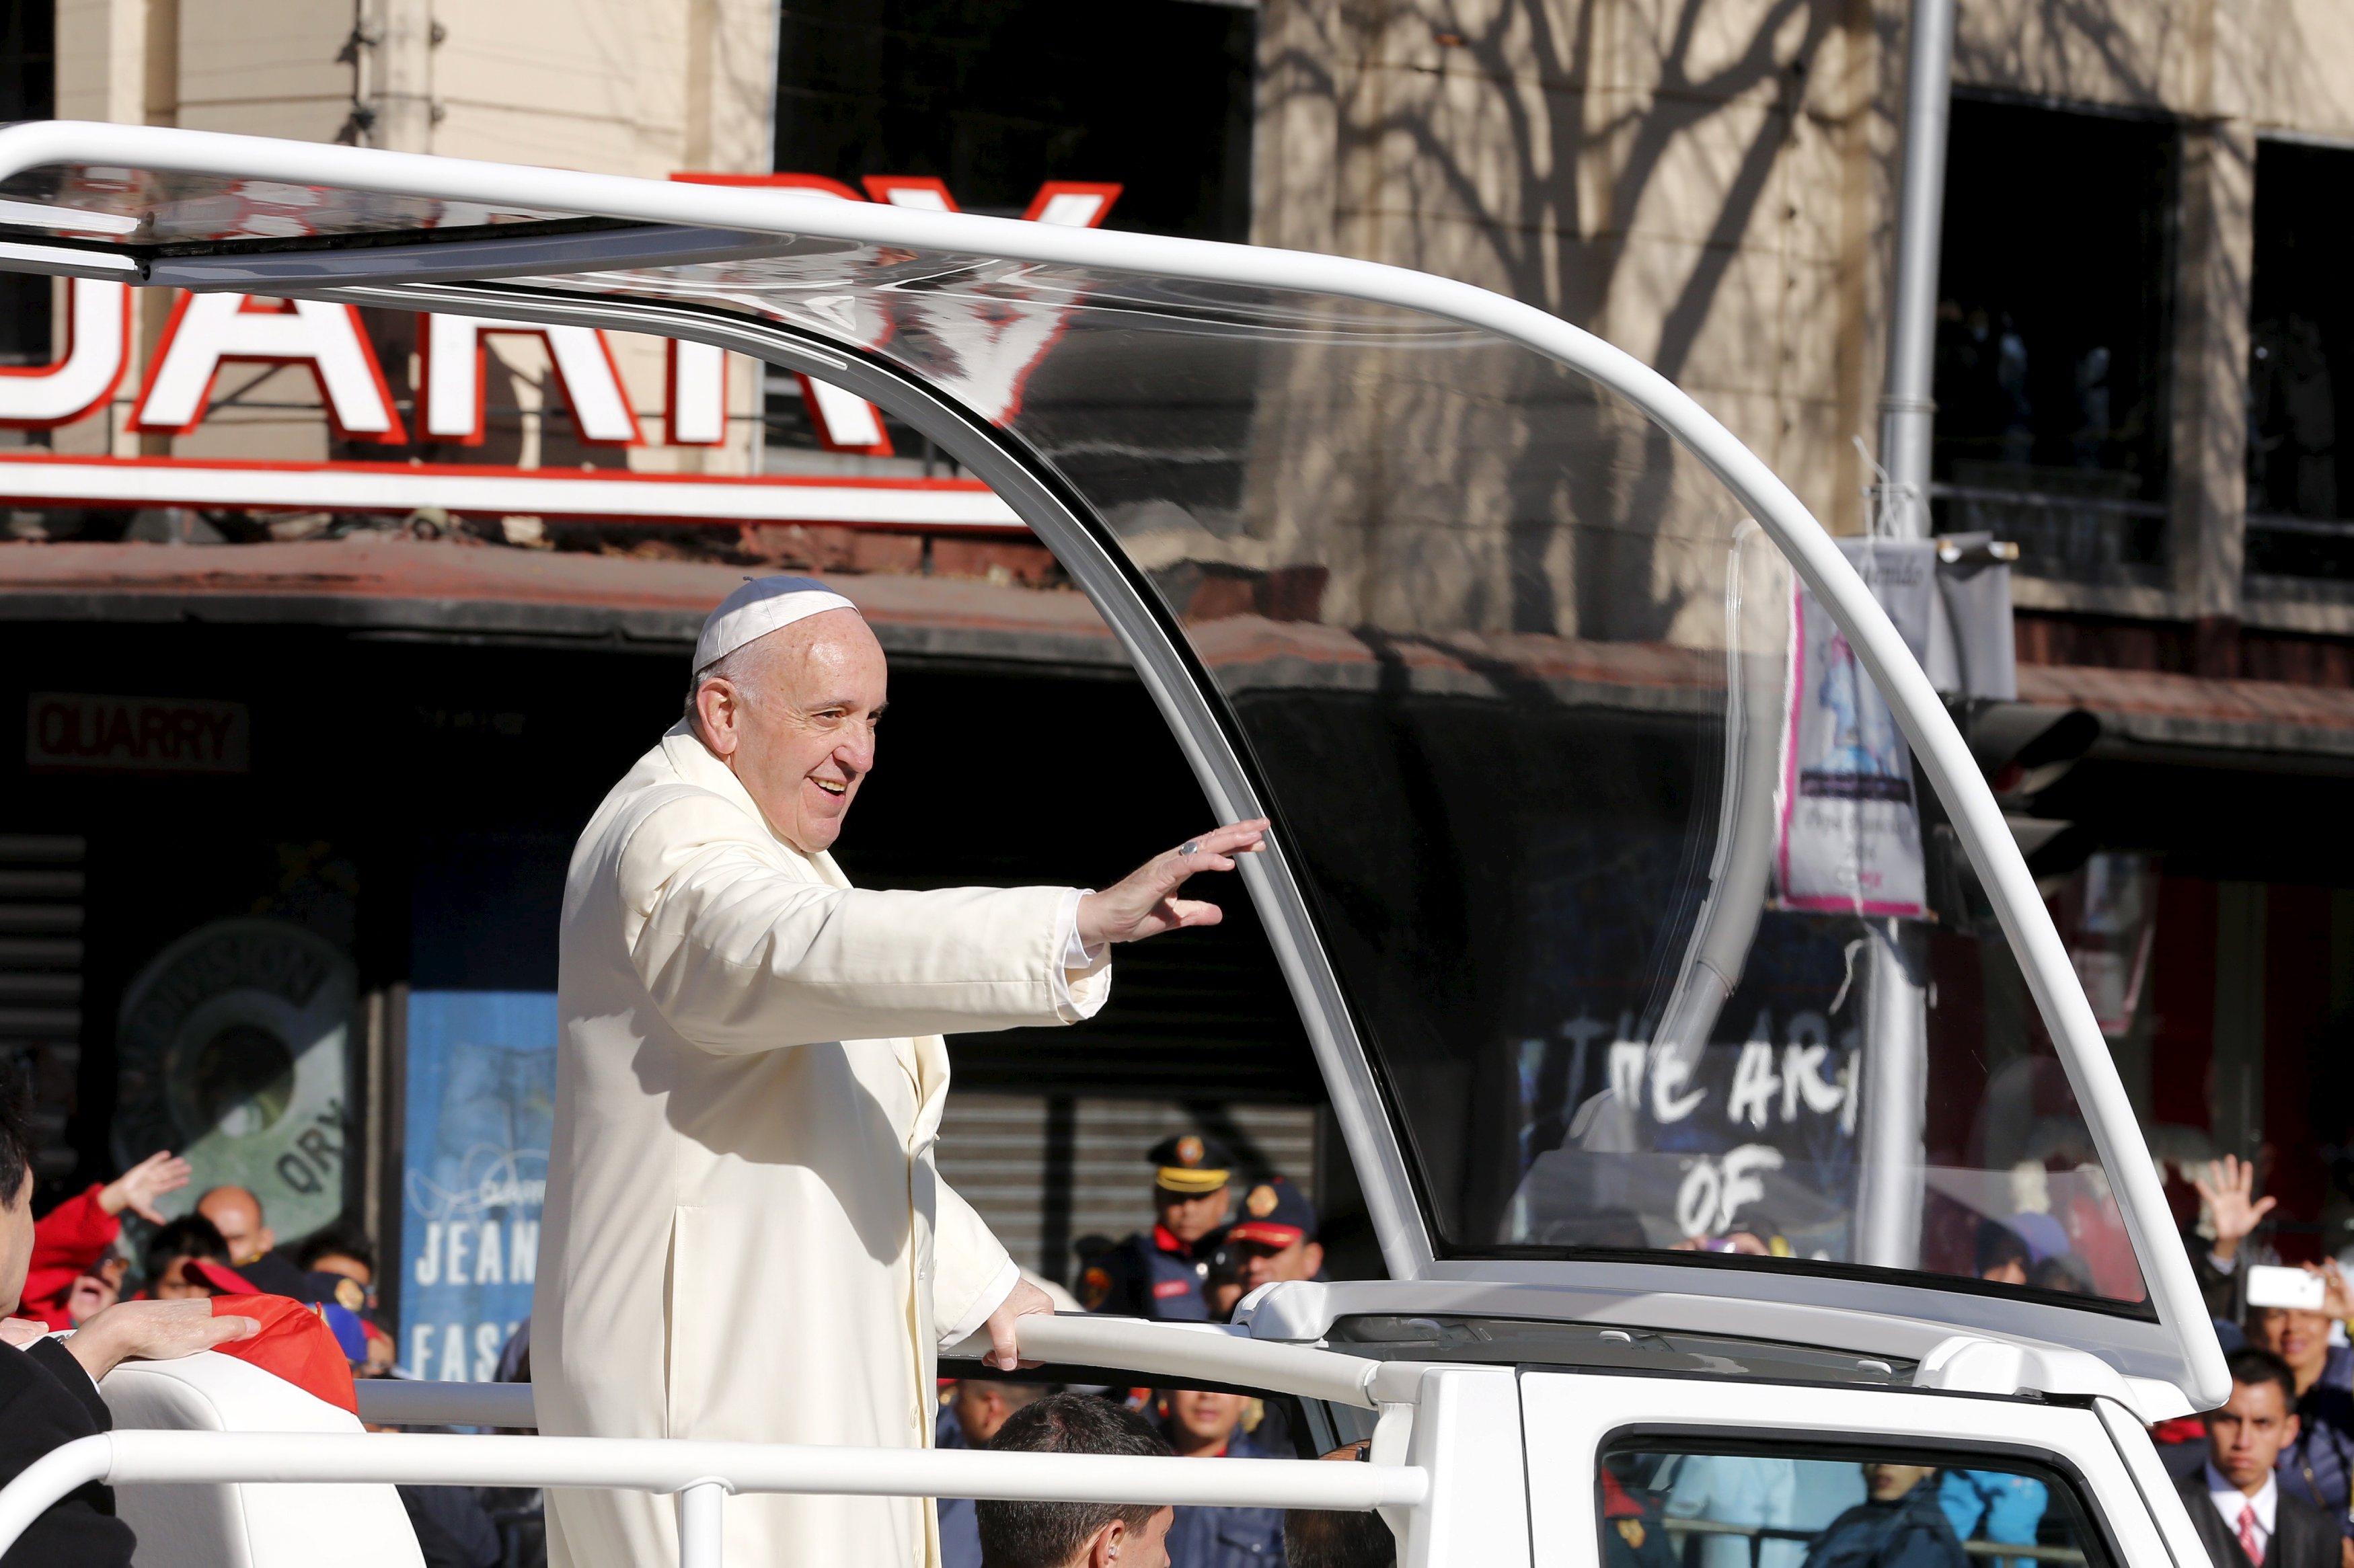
{"points": [[1596, 820]]}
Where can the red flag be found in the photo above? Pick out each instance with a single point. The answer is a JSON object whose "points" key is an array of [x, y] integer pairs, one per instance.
{"points": [[294, 1344]]}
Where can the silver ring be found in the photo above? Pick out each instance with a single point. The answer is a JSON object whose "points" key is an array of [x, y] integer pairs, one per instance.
{"points": [[1190, 846]]}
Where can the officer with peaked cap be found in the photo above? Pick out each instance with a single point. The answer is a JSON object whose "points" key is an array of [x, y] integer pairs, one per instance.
{"points": [[1160, 1273], [746, 1238]]}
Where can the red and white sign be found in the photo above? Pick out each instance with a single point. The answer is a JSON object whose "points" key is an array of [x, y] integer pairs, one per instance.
{"points": [[981, 342], [79, 731], [455, 368], [77, 385], [207, 330]]}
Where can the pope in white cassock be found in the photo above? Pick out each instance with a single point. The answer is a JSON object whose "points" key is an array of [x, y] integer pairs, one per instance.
{"points": [[744, 1239]]}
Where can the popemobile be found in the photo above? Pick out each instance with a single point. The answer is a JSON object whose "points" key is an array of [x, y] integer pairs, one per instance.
{"points": [[1620, 851]]}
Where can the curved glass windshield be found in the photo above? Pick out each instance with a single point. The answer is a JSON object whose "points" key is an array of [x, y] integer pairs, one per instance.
{"points": [[1655, 941]]}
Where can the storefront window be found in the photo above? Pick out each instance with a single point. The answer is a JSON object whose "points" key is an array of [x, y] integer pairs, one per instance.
{"points": [[2300, 333], [994, 100], [2051, 380]]}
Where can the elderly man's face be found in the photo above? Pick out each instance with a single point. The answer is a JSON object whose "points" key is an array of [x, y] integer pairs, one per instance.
{"points": [[796, 725]]}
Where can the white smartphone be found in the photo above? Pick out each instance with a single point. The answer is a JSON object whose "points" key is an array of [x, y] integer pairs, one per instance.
{"points": [[2269, 1285]]}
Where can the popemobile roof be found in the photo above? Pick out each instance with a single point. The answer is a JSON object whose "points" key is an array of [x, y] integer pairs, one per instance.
{"points": [[1487, 613]]}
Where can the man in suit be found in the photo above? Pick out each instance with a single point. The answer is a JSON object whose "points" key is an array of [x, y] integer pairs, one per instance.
{"points": [[49, 1387], [2244, 1517]]}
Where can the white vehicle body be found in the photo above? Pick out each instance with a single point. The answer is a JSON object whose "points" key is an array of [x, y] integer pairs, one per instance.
{"points": [[1479, 1455]]}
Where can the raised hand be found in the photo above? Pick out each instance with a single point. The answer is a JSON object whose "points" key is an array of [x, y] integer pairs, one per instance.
{"points": [[138, 1188], [2226, 1190], [1142, 904], [2337, 1296]]}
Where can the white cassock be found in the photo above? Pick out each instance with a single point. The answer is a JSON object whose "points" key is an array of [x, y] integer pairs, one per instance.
{"points": [[744, 1237]]}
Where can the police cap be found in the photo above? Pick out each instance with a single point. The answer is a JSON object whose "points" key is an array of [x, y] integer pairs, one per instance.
{"points": [[1275, 1214], [1190, 1165]]}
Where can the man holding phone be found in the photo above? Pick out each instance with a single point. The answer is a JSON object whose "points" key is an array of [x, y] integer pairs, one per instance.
{"points": [[2290, 1311]]}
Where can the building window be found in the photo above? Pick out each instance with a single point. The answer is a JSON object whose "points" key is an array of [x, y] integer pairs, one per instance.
{"points": [[2300, 332], [994, 100], [28, 92], [2054, 352]]}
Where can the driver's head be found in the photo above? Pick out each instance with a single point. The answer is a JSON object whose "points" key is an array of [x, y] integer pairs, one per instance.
{"points": [[788, 685], [1887, 1483]]}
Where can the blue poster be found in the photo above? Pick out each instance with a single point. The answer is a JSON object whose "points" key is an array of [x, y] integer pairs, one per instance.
{"points": [[482, 1101]]}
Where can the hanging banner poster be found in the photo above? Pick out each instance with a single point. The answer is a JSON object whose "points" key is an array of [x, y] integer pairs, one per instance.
{"points": [[1848, 826], [481, 1106]]}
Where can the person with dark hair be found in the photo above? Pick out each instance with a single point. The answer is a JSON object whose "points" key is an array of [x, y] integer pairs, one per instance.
{"points": [[2002, 1255], [49, 1387], [975, 1411], [1074, 1535], [1898, 1525], [168, 1250], [2244, 1517], [1335, 1538], [342, 1249]]}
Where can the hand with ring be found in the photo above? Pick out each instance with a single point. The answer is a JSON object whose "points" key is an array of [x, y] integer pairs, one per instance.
{"points": [[1143, 904]]}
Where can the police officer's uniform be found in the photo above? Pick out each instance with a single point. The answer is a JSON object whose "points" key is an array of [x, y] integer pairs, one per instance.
{"points": [[1153, 1274], [1229, 1537]]}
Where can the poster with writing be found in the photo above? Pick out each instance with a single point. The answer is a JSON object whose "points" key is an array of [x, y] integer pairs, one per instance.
{"points": [[481, 1104], [1847, 827]]}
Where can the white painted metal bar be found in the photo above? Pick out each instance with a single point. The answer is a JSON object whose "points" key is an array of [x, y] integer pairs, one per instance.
{"points": [[1206, 1352], [1944, 756], [657, 1464], [700, 1519]]}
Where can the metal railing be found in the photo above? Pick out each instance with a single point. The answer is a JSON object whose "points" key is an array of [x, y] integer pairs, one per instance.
{"points": [[701, 1475], [1756, 1534]]}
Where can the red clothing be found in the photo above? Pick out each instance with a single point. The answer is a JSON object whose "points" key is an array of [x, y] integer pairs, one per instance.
{"points": [[67, 1241]]}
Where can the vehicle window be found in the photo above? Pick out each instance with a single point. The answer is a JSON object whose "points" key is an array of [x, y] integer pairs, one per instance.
{"points": [[1600, 821], [1792, 1506]]}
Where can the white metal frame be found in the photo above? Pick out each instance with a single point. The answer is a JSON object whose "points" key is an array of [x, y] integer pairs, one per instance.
{"points": [[1934, 740]]}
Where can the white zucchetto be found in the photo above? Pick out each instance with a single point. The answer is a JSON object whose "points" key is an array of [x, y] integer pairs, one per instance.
{"points": [[761, 606]]}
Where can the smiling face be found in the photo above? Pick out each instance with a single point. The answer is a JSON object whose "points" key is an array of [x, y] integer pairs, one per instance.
{"points": [[792, 716]]}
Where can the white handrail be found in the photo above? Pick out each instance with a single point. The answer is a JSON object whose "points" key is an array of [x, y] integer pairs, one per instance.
{"points": [[1209, 1353], [666, 1465]]}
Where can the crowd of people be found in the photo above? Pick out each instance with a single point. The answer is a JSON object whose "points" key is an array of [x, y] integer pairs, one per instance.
{"points": [[1213, 1240]]}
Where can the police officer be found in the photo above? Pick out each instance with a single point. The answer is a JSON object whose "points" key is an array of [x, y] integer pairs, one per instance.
{"points": [[1160, 1273]]}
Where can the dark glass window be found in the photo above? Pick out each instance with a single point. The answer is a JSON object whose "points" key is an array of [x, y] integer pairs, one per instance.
{"points": [[28, 92], [2053, 324], [994, 97], [2300, 333], [1776, 1503]]}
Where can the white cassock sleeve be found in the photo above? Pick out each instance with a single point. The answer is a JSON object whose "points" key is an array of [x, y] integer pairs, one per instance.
{"points": [[741, 957]]}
